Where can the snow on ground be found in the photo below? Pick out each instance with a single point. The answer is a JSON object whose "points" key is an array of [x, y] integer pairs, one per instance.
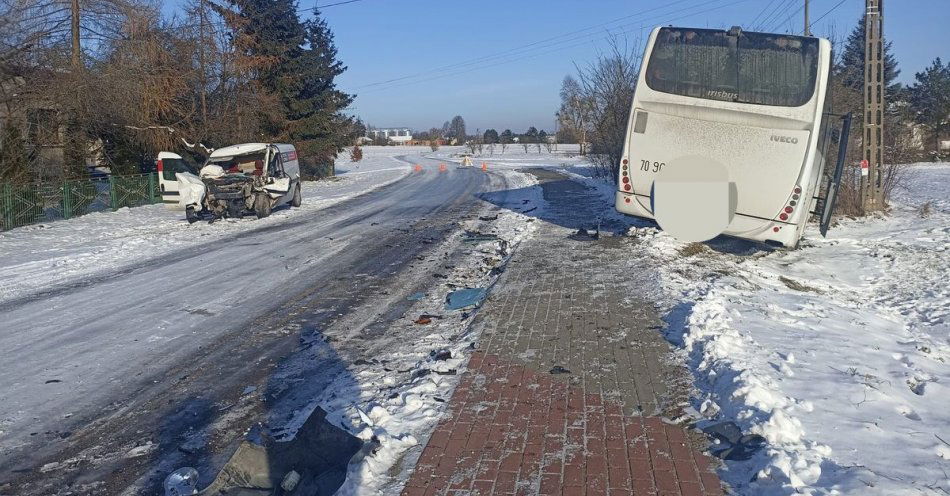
{"points": [[514, 156], [838, 353], [401, 410], [42, 255]]}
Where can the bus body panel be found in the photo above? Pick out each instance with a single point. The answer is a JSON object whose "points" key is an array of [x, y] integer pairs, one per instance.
{"points": [[768, 150], [764, 168]]}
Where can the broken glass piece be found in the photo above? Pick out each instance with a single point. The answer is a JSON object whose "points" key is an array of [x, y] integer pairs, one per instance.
{"points": [[464, 298]]}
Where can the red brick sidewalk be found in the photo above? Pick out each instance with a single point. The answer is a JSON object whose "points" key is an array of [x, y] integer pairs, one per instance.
{"points": [[517, 428], [516, 431]]}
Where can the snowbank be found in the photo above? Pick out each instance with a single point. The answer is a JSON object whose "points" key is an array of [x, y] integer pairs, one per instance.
{"points": [[838, 354], [42, 255]]}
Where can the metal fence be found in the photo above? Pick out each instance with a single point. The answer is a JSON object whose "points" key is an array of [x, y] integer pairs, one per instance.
{"points": [[22, 205]]}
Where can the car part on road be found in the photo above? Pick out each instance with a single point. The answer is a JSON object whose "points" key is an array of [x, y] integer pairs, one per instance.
{"points": [[318, 455], [464, 298], [182, 482], [440, 355], [477, 237], [733, 445], [191, 215]]}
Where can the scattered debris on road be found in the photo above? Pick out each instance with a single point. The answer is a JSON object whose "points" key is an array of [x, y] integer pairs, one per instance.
{"points": [[313, 462], [440, 355]]}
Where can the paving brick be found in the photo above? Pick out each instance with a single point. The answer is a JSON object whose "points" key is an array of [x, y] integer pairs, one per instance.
{"points": [[586, 432]]}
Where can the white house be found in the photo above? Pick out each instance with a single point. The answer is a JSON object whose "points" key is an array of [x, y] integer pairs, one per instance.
{"points": [[396, 135]]}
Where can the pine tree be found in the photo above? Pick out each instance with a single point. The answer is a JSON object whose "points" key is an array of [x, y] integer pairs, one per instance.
{"points": [[14, 163], [491, 136], [316, 121], [850, 67], [930, 99], [295, 64]]}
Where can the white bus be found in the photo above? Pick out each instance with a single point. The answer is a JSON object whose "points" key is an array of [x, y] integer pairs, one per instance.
{"points": [[753, 102]]}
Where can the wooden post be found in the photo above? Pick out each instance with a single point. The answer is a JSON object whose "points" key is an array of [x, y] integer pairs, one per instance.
{"points": [[872, 187], [74, 27], [807, 22]]}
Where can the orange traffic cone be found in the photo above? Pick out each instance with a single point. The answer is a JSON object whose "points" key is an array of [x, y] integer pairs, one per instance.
{"points": [[484, 167], [418, 168], [442, 168]]}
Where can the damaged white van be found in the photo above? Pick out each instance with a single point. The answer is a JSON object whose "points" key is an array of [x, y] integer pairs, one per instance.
{"points": [[238, 180]]}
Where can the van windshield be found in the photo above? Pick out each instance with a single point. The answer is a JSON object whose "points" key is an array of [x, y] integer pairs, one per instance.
{"points": [[757, 68], [252, 163]]}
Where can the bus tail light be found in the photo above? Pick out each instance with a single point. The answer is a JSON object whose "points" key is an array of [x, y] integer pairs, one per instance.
{"points": [[783, 216], [626, 179], [158, 165], [626, 187], [789, 210]]}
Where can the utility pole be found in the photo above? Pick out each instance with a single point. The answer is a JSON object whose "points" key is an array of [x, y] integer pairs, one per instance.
{"points": [[807, 23], [201, 63], [872, 188], [74, 8]]}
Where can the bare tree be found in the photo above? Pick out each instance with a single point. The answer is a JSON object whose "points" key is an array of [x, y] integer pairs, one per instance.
{"points": [[457, 129], [607, 86], [576, 112]]}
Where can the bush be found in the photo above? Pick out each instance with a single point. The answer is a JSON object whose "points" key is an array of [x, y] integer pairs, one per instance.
{"points": [[434, 145], [356, 154]]}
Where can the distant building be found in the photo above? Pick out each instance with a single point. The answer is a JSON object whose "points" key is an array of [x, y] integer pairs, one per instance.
{"points": [[395, 135]]}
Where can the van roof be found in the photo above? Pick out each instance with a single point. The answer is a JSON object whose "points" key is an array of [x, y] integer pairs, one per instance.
{"points": [[246, 148], [242, 149]]}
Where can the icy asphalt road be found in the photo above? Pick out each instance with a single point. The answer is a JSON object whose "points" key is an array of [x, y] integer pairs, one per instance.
{"points": [[91, 363]]}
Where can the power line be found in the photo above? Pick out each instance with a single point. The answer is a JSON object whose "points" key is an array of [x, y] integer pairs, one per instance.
{"points": [[776, 13], [555, 49], [839, 4], [543, 45], [752, 23], [519, 48], [789, 18]]}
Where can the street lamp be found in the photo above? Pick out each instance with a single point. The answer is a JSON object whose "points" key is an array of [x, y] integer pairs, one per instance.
{"points": [[557, 120]]}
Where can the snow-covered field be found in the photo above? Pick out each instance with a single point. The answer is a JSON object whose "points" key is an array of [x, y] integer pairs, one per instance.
{"points": [[514, 156], [838, 354], [41, 255]]}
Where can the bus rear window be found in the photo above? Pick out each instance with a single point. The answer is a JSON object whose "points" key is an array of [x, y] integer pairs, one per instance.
{"points": [[758, 68]]}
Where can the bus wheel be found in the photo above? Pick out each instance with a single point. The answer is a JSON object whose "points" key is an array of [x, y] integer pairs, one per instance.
{"points": [[262, 206], [296, 201]]}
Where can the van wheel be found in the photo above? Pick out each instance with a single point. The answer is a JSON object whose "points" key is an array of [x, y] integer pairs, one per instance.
{"points": [[296, 200], [191, 215], [262, 206]]}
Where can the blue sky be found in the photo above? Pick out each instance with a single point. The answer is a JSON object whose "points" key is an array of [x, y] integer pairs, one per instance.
{"points": [[495, 80]]}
